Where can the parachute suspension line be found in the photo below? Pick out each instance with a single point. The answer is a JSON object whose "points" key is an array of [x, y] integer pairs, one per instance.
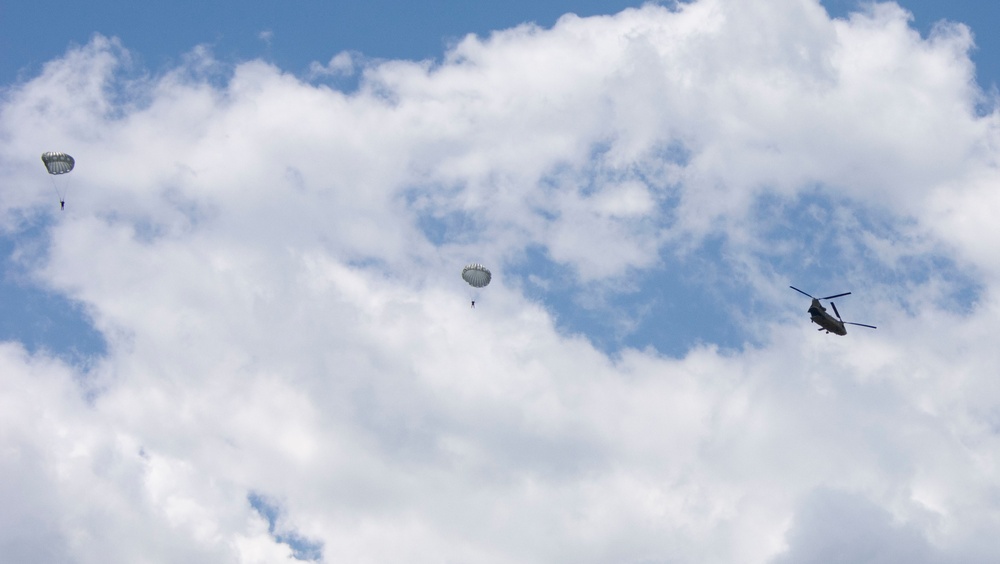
{"points": [[62, 199]]}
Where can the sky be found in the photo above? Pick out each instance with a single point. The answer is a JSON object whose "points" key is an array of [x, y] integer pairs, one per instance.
{"points": [[246, 337]]}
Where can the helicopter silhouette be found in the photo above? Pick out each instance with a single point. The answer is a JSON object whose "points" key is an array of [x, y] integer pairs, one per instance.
{"points": [[827, 322]]}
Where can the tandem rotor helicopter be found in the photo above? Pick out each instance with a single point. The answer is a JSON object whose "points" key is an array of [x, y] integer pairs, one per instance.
{"points": [[820, 317]]}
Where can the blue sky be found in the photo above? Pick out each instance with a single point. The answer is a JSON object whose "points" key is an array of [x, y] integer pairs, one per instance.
{"points": [[306, 31], [245, 339], [315, 30]]}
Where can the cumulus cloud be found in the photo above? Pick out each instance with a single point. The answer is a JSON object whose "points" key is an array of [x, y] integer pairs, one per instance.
{"points": [[293, 371], [342, 64]]}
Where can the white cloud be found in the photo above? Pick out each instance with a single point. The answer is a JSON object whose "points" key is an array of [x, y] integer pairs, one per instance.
{"points": [[342, 64], [280, 323]]}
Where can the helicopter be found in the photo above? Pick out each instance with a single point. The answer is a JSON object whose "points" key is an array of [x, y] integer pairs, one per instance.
{"points": [[826, 322]]}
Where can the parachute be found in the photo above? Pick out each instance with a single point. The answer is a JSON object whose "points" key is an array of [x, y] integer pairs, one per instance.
{"points": [[477, 275], [57, 164]]}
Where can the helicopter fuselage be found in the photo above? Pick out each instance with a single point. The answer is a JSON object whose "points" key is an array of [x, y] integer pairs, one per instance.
{"points": [[819, 316]]}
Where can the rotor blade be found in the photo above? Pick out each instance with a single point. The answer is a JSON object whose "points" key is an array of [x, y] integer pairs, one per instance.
{"points": [[837, 296], [861, 324], [800, 291], [837, 312]]}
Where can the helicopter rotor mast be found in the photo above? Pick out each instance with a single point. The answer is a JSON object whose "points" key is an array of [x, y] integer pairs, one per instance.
{"points": [[848, 322]]}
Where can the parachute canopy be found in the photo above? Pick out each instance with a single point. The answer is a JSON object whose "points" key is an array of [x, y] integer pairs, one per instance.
{"points": [[58, 163], [476, 275]]}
